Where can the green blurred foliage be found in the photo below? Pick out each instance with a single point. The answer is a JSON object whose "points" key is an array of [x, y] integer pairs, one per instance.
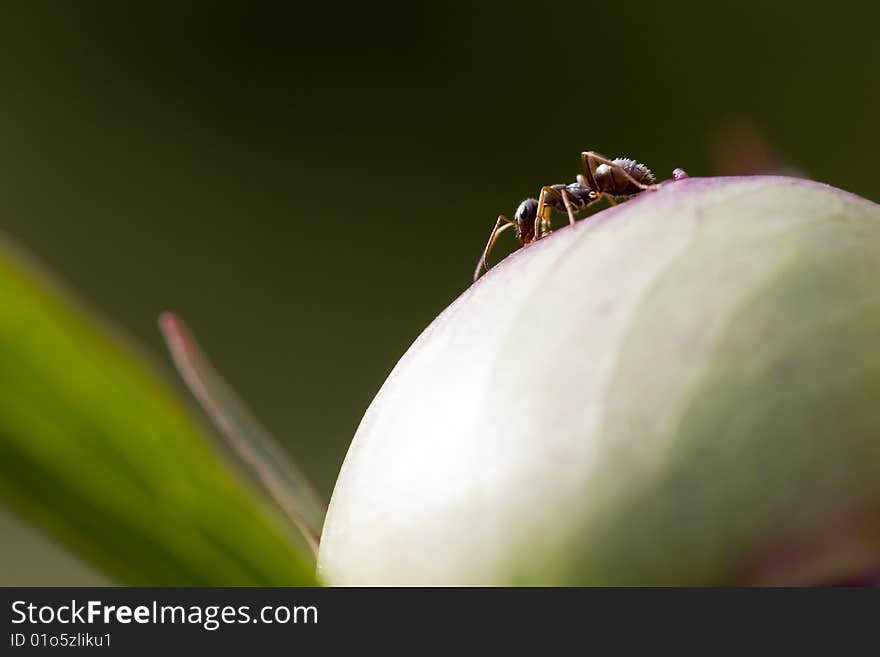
{"points": [[310, 186], [95, 449]]}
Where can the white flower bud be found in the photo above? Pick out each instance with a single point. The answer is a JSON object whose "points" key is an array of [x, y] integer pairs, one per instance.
{"points": [[683, 389]]}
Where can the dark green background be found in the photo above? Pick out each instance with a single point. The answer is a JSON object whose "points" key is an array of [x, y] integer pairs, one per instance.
{"points": [[310, 185]]}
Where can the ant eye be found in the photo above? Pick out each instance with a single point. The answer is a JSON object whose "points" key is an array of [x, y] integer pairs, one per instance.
{"points": [[526, 210]]}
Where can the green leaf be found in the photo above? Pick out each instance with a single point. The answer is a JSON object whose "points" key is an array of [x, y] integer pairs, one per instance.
{"points": [[95, 449]]}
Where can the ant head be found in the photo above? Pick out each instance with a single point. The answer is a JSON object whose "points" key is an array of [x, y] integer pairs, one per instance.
{"points": [[525, 220]]}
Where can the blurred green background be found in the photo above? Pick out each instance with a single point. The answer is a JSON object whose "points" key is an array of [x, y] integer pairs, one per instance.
{"points": [[310, 186]]}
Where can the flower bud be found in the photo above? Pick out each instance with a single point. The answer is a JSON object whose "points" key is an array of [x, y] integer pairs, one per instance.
{"points": [[682, 389]]}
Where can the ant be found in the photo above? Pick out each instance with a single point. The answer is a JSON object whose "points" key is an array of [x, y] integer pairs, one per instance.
{"points": [[611, 179]]}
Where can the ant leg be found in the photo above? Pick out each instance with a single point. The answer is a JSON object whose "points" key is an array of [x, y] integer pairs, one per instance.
{"points": [[501, 224], [542, 217], [583, 180], [590, 178], [566, 198], [597, 194], [588, 157]]}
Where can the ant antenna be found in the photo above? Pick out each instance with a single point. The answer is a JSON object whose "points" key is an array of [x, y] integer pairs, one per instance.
{"points": [[501, 224]]}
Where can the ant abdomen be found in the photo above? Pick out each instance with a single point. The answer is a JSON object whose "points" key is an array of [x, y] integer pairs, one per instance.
{"points": [[612, 181]]}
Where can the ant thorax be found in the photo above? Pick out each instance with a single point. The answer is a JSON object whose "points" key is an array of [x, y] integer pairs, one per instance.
{"points": [[579, 195]]}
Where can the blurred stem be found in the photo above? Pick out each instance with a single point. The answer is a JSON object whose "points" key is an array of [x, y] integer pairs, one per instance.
{"points": [[252, 443]]}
